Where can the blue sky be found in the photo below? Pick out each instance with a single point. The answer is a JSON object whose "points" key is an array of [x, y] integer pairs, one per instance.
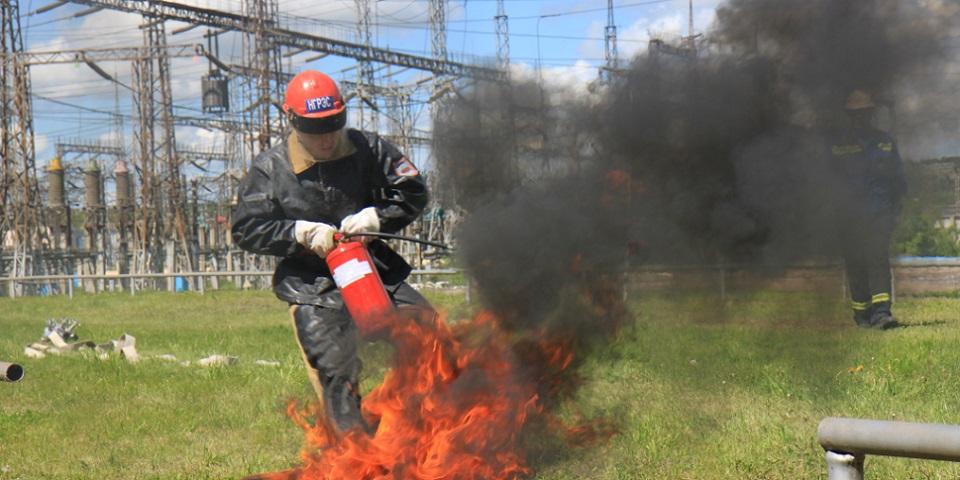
{"points": [[565, 38]]}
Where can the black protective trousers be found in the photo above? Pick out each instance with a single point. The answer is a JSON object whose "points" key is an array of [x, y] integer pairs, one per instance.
{"points": [[865, 245], [329, 340]]}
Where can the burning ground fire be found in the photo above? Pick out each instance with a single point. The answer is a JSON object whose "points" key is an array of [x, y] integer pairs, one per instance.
{"points": [[457, 404]]}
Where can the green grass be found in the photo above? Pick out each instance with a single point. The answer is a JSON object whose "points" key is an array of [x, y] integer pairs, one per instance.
{"points": [[699, 388]]}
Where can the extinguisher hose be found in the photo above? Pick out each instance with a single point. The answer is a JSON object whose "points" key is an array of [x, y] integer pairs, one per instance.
{"points": [[394, 237]]}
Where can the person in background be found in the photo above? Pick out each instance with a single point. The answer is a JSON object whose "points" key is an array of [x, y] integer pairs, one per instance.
{"points": [[321, 179], [870, 185]]}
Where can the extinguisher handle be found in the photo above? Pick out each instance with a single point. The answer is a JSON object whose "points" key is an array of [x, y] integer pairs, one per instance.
{"points": [[337, 237]]}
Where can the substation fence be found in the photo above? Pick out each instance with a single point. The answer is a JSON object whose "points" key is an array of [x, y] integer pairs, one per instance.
{"points": [[847, 442], [118, 282], [908, 275]]}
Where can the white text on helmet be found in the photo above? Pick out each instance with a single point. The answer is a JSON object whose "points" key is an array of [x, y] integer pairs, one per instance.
{"points": [[320, 104]]}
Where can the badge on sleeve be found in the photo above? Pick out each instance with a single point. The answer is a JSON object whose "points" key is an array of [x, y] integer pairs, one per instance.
{"points": [[404, 168]]}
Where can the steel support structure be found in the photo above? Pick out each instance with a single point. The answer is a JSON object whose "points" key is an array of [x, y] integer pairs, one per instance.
{"points": [[503, 39], [117, 54], [438, 47], [611, 56], [264, 68], [295, 40], [21, 215], [365, 78], [96, 256], [161, 190]]}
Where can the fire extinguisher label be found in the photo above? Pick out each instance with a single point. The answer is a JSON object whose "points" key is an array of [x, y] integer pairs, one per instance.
{"points": [[351, 271]]}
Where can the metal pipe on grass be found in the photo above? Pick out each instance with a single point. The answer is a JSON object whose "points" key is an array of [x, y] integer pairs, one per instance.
{"points": [[10, 372]]}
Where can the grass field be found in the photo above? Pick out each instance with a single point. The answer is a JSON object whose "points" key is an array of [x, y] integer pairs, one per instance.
{"points": [[699, 388]]}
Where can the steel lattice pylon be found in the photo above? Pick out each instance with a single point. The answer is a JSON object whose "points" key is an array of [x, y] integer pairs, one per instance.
{"points": [[503, 38], [263, 62], [21, 216], [610, 45]]}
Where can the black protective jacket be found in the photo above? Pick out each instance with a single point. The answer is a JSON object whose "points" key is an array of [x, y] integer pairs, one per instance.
{"points": [[272, 197]]}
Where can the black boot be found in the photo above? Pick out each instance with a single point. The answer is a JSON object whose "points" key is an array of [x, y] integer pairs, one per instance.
{"points": [[882, 318], [863, 317], [342, 401], [883, 321]]}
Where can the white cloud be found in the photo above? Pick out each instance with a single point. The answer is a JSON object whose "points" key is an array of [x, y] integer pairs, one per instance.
{"points": [[40, 144], [576, 77], [573, 77]]}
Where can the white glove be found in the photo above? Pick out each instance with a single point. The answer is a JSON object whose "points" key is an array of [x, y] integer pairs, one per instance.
{"points": [[365, 220], [317, 237]]}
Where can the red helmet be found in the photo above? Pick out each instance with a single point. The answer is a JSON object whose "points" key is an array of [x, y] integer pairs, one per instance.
{"points": [[314, 104]]}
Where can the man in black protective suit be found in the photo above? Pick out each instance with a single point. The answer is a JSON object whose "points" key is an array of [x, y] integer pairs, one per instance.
{"points": [[871, 183], [320, 180]]}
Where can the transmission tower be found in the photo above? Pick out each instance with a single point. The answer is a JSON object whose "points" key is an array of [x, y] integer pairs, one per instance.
{"points": [[162, 203], [503, 39], [20, 219], [365, 80], [438, 29], [263, 60], [610, 45], [438, 47]]}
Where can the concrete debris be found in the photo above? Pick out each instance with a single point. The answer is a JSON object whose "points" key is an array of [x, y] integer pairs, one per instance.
{"points": [[130, 354], [215, 360], [126, 340], [33, 353], [127, 346], [56, 340], [59, 338]]}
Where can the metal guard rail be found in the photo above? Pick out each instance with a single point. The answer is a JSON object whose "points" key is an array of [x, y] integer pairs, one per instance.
{"points": [[848, 440]]}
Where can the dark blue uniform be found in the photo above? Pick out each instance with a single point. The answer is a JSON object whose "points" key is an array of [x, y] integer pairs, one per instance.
{"points": [[870, 184]]}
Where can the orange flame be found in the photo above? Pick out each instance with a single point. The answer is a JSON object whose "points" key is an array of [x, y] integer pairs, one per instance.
{"points": [[455, 406]]}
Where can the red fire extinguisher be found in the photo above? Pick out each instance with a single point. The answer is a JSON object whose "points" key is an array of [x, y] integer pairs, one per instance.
{"points": [[361, 287]]}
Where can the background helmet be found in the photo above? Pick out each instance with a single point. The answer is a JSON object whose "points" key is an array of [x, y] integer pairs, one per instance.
{"points": [[313, 103], [859, 100]]}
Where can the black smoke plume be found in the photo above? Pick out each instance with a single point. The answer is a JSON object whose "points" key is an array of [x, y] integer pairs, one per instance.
{"points": [[904, 51], [547, 229], [703, 151], [728, 133]]}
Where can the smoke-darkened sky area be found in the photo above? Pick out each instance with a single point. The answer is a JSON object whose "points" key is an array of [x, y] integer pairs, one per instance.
{"points": [[904, 51], [692, 157]]}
